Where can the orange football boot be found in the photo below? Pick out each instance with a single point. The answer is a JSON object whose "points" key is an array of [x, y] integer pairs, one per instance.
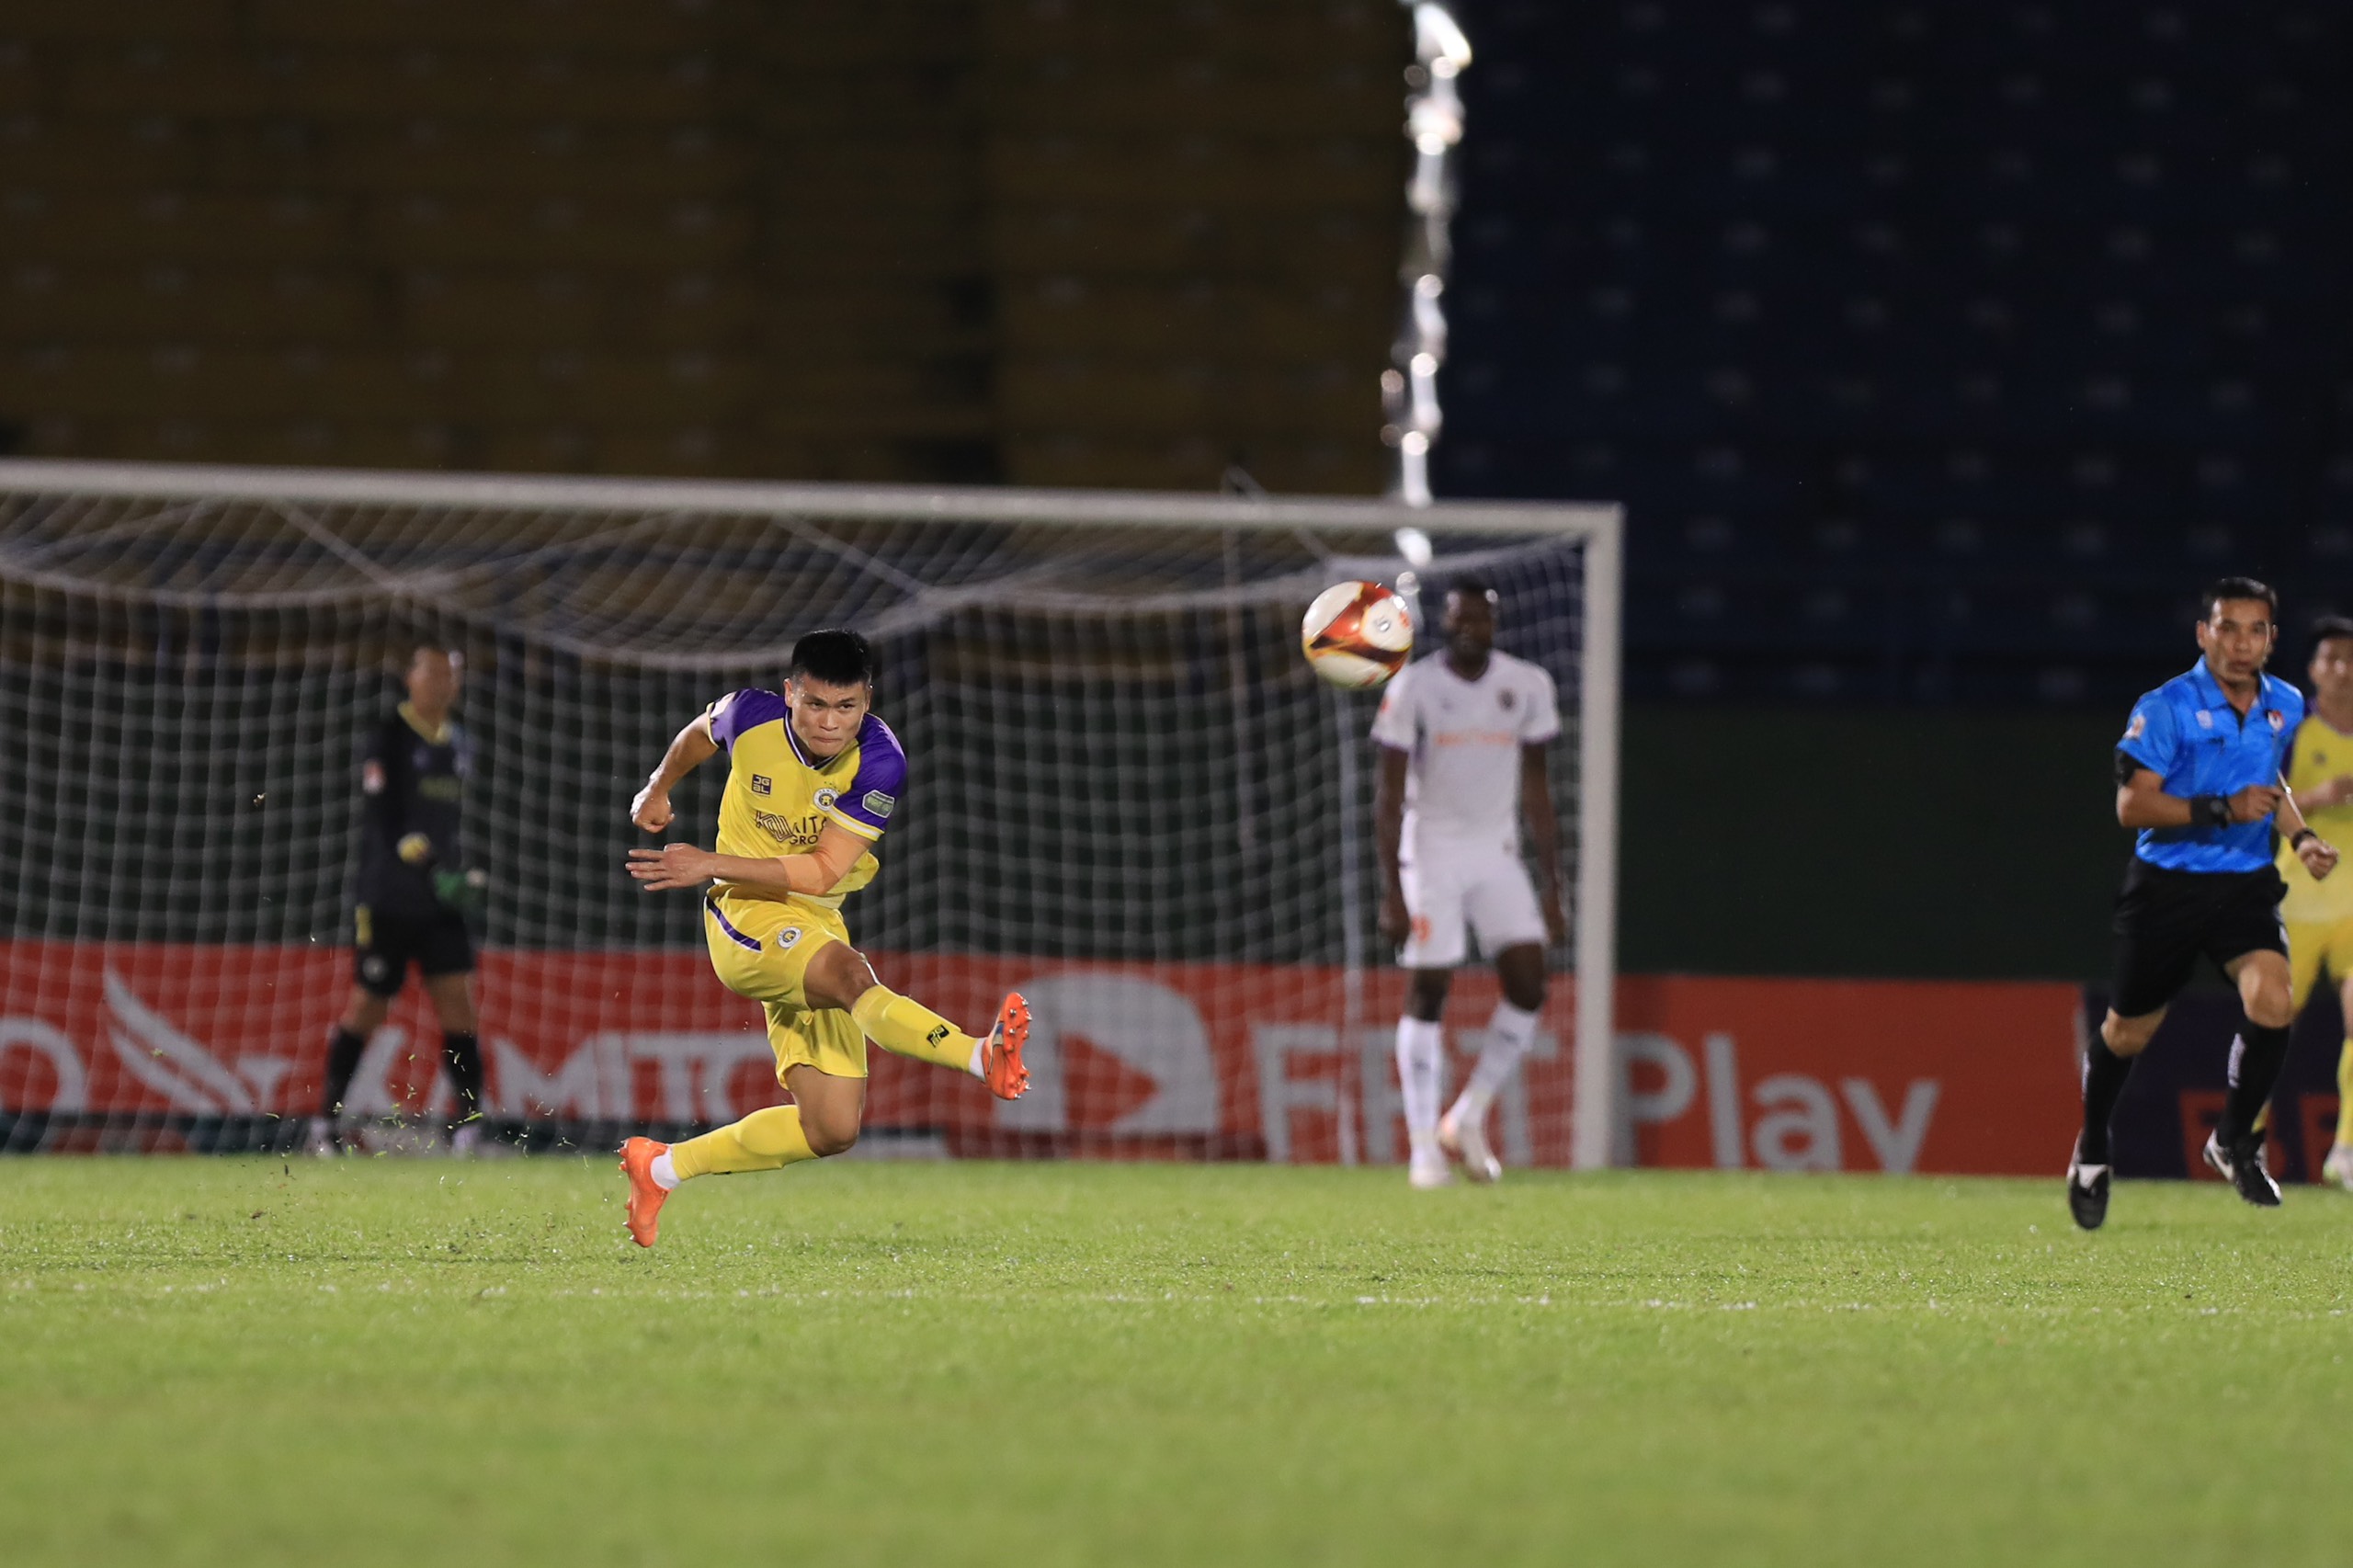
{"points": [[646, 1194], [1001, 1065]]}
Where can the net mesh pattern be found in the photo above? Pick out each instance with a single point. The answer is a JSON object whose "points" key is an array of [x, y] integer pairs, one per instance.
{"points": [[1120, 768]]}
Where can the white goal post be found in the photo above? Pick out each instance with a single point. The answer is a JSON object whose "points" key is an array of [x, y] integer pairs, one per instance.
{"points": [[156, 619]]}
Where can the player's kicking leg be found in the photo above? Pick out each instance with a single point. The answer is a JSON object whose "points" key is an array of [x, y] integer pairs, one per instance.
{"points": [[827, 1107], [1511, 1030]]}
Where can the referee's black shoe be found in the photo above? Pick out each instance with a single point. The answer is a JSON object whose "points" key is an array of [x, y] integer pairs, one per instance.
{"points": [[2241, 1164], [2088, 1194]]}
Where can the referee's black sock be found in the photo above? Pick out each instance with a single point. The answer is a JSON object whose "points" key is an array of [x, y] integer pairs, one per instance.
{"points": [[2104, 1075], [462, 1052], [2256, 1057], [343, 1048]]}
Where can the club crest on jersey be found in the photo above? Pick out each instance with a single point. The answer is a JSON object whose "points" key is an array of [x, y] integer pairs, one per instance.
{"points": [[2137, 728], [825, 799], [763, 785], [2205, 719], [1507, 701], [2278, 720]]}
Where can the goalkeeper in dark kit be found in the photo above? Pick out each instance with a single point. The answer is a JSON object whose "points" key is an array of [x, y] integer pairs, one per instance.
{"points": [[414, 895]]}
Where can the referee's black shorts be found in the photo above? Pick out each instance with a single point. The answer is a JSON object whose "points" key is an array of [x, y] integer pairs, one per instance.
{"points": [[389, 942], [2166, 920]]}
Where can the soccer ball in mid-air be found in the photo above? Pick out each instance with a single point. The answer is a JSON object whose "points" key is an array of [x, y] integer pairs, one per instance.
{"points": [[1357, 634]]}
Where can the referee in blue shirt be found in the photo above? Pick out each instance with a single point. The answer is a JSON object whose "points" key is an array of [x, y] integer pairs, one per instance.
{"points": [[2200, 773]]}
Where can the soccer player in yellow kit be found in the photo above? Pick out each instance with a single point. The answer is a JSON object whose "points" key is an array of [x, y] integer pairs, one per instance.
{"points": [[2319, 915], [813, 781]]}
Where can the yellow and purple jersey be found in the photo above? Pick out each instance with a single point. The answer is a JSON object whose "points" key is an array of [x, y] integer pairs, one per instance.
{"points": [[2320, 753], [779, 798]]}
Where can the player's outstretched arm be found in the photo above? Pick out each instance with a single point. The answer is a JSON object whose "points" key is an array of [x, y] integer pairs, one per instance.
{"points": [[684, 866], [1388, 837], [689, 749], [2318, 855], [1544, 834]]}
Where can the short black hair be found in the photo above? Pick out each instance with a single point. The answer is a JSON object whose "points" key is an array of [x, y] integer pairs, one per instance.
{"points": [[2328, 628], [1472, 588], [836, 655], [2240, 589], [423, 645]]}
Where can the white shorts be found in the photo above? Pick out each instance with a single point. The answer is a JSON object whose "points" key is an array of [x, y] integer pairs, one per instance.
{"points": [[1484, 892]]}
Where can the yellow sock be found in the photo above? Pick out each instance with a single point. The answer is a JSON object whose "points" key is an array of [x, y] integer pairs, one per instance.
{"points": [[903, 1025], [2344, 1095], [764, 1141]]}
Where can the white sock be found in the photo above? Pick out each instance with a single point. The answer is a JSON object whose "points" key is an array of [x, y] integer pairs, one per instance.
{"points": [[1510, 1032], [1421, 1080], [979, 1049], [665, 1175]]}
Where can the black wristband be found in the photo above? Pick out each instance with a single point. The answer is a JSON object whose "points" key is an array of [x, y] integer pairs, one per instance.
{"points": [[2296, 839], [2210, 810]]}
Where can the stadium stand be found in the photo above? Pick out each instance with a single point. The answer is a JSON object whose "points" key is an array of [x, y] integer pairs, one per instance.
{"points": [[1906, 405], [927, 240]]}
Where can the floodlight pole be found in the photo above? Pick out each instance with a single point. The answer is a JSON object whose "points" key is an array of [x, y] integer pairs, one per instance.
{"points": [[1434, 125]]}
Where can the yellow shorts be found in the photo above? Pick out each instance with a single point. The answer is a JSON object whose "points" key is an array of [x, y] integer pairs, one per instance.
{"points": [[2312, 946], [760, 948]]}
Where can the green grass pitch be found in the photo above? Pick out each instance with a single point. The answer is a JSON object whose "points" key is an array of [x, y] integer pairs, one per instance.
{"points": [[411, 1362]]}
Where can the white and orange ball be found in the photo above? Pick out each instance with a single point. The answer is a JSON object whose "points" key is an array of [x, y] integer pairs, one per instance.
{"points": [[1358, 634]]}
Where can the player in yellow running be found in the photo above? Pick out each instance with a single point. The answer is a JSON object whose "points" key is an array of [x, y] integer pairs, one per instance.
{"points": [[2319, 915], [813, 778]]}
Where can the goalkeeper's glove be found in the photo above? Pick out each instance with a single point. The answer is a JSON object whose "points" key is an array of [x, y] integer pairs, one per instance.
{"points": [[461, 890]]}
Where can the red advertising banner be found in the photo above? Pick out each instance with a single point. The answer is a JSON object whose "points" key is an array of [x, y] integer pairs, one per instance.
{"points": [[1134, 1059], [1859, 1074]]}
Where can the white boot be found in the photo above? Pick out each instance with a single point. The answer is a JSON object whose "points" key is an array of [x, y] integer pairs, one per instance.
{"points": [[1464, 1138]]}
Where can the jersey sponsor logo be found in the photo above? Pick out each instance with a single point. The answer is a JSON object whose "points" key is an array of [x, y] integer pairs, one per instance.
{"points": [[763, 785], [879, 803], [371, 778], [938, 1033], [785, 830], [2137, 728]]}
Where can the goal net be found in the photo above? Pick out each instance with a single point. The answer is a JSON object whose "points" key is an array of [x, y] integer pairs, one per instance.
{"points": [[1129, 796]]}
